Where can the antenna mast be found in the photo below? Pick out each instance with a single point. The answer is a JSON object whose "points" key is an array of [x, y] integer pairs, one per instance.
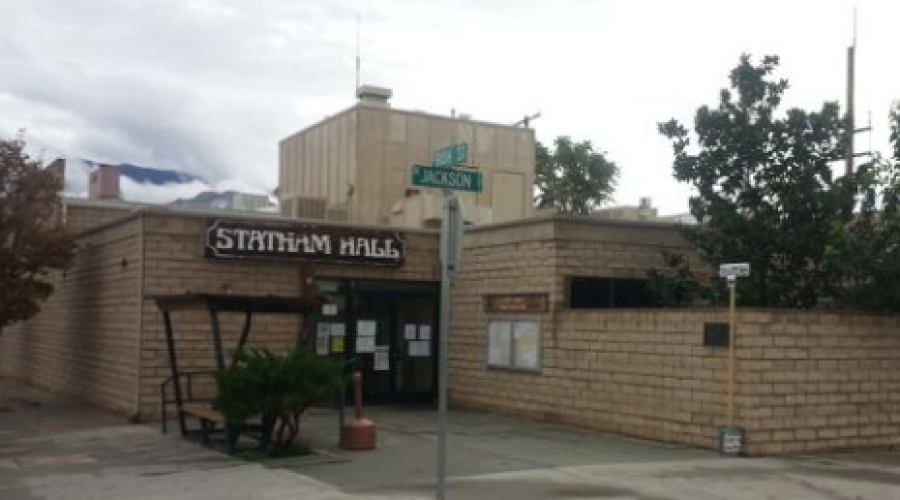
{"points": [[526, 121], [851, 69], [851, 107], [358, 21]]}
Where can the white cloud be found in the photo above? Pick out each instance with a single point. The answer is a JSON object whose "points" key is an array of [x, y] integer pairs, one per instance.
{"points": [[210, 87], [162, 193]]}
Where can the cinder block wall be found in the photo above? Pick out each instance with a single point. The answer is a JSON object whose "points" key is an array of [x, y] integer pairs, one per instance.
{"points": [[641, 373], [84, 341], [806, 381], [811, 381], [175, 264], [81, 214], [100, 337]]}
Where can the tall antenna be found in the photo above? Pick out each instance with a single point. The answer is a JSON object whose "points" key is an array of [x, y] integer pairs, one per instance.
{"points": [[358, 22], [851, 69]]}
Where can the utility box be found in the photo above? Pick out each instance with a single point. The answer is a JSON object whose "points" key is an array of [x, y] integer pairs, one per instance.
{"points": [[731, 441]]}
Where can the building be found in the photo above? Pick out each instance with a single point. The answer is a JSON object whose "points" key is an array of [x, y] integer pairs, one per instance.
{"points": [[552, 317], [355, 166], [644, 211]]}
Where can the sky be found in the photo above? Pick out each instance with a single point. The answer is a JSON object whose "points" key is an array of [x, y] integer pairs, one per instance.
{"points": [[209, 87]]}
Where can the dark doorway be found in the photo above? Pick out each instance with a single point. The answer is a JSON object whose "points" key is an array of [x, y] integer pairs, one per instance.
{"points": [[390, 330]]}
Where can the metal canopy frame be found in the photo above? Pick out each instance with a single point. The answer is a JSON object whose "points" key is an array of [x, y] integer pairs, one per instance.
{"points": [[249, 305]]}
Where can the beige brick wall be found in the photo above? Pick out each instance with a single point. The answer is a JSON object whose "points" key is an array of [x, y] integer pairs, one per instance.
{"points": [[81, 215], [100, 337], [810, 381], [176, 265], [84, 342], [806, 381]]}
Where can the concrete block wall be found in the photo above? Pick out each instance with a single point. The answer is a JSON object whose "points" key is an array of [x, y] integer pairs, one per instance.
{"points": [[81, 215], [806, 381], [100, 337], [175, 264], [640, 373], [84, 342], [811, 381]]}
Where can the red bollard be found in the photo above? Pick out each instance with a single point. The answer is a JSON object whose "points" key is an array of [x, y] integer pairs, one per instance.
{"points": [[359, 434]]}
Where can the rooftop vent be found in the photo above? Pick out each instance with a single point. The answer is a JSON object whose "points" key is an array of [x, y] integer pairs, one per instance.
{"points": [[374, 96]]}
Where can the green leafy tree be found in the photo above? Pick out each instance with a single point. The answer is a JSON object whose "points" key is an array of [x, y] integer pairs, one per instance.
{"points": [[676, 284], [866, 252], [32, 240], [765, 191], [573, 178]]}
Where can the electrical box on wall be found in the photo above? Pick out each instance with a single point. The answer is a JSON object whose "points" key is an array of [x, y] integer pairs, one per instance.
{"points": [[716, 335]]}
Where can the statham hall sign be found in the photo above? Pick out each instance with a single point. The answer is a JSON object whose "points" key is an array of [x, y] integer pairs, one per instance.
{"points": [[229, 239]]}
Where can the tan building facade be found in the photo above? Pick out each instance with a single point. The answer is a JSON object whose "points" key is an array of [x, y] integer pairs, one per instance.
{"points": [[526, 341], [355, 166], [551, 319], [100, 336]]}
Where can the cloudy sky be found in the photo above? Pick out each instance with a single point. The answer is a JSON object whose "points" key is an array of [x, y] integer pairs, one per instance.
{"points": [[210, 86]]}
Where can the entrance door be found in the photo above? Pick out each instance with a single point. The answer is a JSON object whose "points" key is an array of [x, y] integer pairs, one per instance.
{"points": [[402, 368], [416, 361], [373, 317], [391, 333]]}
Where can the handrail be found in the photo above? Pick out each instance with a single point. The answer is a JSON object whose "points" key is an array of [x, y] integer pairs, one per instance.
{"points": [[165, 401]]}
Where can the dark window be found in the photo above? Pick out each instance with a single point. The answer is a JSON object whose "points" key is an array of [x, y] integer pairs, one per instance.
{"points": [[606, 293]]}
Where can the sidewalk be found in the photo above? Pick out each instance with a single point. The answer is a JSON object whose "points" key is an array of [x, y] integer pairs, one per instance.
{"points": [[60, 449]]}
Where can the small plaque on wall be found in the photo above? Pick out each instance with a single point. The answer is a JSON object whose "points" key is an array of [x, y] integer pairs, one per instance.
{"points": [[716, 335], [524, 303]]}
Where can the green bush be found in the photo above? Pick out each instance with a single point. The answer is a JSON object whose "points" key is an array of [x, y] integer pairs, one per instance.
{"points": [[278, 389]]}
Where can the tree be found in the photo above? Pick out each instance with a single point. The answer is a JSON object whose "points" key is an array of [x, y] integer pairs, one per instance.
{"points": [[765, 191], [32, 240], [573, 178], [866, 252]]}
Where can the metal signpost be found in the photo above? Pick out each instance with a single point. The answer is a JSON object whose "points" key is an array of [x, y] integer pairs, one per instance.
{"points": [[731, 438], [442, 174]]}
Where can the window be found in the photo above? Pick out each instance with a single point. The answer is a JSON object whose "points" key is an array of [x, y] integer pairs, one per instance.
{"points": [[514, 343], [607, 293]]}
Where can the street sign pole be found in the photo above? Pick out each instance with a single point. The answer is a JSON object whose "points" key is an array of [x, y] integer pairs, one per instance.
{"points": [[442, 174], [450, 209], [731, 437]]}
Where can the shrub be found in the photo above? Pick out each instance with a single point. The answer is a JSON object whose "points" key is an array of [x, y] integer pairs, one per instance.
{"points": [[278, 389]]}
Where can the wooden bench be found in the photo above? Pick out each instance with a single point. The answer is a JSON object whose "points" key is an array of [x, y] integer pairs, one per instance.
{"points": [[209, 419]]}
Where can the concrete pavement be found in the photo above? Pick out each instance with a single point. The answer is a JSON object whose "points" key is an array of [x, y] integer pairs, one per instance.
{"points": [[55, 449]]}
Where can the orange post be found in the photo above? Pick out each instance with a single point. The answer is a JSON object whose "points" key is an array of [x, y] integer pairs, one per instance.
{"points": [[358, 435]]}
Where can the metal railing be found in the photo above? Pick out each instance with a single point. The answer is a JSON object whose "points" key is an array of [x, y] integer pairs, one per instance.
{"points": [[189, 394]]}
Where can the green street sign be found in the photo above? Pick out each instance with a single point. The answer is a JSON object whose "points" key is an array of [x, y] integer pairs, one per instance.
{"points": [[454, 155], [449, 178]]}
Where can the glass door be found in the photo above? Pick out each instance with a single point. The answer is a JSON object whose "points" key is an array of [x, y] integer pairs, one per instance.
{"points": [[416, 358], [394, 339], [371, 328]]}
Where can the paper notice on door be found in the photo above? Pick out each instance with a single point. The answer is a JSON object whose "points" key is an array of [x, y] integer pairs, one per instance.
{"points": [[338, 330], [382, 358], [323, 334], [365, 328], [419, 349], [329, 309], [409, 332], [424, 332], [337, 344], [365, 344]]}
